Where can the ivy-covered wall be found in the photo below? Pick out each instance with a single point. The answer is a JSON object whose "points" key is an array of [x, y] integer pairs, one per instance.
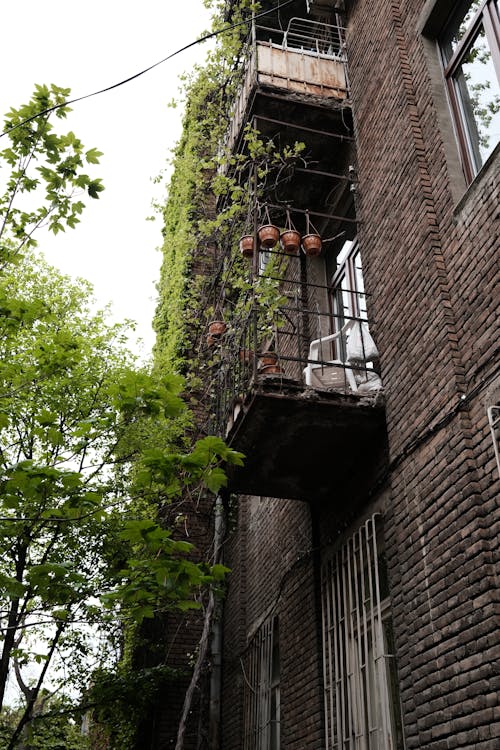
{"points": [[190, 202]]}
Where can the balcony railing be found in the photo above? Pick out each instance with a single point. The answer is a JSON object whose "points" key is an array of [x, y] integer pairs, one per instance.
{"points": [[296, 343], [308, 58]]}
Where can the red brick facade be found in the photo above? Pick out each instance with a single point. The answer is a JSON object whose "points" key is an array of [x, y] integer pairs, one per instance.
{"points": [[431, 269], [430, 253]]}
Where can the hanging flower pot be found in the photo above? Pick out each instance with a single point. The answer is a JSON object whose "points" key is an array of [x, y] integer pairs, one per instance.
{"points": [[268, 364], [271, 370], [268, 235], [311, 244], [246, 245], [289, 237], [217, 328], [290, 241], [311, 241], [268, 358]]}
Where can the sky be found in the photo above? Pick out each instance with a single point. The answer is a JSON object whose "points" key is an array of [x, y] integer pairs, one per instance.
{"points": [[86, 47]]}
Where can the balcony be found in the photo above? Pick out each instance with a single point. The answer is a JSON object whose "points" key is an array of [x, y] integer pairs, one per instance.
{"points": [[296, 390], [303, 65]]}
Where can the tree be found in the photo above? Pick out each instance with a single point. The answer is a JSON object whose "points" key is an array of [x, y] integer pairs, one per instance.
{"points": [[90, 445], [42, 167]]}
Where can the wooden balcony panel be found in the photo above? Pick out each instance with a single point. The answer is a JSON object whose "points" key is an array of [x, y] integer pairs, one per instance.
{"points": [[302, 72], [306, 444], [300, 75]]}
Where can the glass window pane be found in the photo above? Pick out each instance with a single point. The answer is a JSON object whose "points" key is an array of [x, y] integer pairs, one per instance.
{"points": [[479, 96], [458, 26]]}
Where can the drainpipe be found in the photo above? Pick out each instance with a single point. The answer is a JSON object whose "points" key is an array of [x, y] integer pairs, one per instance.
{"points": [[216, 640]]}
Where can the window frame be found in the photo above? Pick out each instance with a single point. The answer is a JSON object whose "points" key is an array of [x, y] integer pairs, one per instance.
{"points": [[486, 17], [494, 422], [262, 703], [361, 692]]}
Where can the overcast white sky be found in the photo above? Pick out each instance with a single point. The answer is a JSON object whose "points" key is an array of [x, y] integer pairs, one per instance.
{"points": [[88, 46]]}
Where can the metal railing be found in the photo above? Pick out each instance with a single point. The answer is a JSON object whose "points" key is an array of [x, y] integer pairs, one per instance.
{"points": [[293, 339], [304, 36]]}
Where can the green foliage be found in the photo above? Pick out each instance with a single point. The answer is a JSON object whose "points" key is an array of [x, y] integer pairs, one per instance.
{"points": [[91, 449], [121, 698], [81, 474], [41, 166], [56, 729]]}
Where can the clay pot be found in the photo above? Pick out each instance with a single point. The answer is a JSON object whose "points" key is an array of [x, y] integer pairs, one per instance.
{"points": [[268, 235], [268, 364], [246, 245], [311, 244], [290, 241], [271, 370], [268, 358], [217, 328]]}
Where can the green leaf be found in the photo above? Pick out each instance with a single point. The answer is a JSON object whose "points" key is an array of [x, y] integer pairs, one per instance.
{"points": [[93, 155], [215, 479]]}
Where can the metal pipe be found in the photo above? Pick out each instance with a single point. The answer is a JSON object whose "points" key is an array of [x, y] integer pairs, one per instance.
{"points": [[216, 640]]}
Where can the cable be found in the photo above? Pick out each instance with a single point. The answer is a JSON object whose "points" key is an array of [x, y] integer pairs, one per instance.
{"points": [[213, 34]]}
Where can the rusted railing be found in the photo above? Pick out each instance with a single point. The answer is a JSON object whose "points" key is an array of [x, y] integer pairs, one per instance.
{"points": [[308, 57], [304, 337]]}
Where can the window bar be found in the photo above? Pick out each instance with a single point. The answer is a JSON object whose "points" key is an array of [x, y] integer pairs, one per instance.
{"points": [[494, 420], [327, 634], [348, 687], [365, 634], [353, 692]]}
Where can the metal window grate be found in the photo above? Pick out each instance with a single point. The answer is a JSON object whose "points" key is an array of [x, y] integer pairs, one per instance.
{"points": [[262, 689], [494, 420], [361, 696]]}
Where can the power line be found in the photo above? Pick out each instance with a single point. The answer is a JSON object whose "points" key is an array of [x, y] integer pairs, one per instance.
{"points": [[205, 38]]}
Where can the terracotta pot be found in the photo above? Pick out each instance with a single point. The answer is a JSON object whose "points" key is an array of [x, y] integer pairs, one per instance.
{"points": [[268, 358], [217, 328], [311, 244], [268, 235], [246, 245], [271, 370], [290, 241]]}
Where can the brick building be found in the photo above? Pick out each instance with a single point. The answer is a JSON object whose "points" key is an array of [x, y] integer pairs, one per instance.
{"points": [[362, 606]]}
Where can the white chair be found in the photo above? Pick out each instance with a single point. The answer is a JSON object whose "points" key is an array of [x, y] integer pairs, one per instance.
{"points": [[333, 374]]}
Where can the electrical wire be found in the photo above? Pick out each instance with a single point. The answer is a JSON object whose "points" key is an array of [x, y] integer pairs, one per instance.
{"points": [[202, 39]]}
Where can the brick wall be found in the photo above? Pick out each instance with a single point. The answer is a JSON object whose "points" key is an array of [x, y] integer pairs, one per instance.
{"points": [[432, 268], [271, 557]]}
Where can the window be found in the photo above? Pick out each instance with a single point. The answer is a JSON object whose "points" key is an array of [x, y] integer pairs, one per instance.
{"points": [[494, 420], [348, 290], [470, 52], [262, 689], [360, 676]]}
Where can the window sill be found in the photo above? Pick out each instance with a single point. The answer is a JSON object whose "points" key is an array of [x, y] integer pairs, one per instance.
{"points": [[477, 185]]}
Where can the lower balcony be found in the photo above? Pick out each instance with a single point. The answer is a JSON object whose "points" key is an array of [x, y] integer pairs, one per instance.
{"points": [[301, 397]]}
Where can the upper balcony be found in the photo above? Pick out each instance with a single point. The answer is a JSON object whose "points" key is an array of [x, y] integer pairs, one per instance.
{"points": [[296, 389], [305, 64]]}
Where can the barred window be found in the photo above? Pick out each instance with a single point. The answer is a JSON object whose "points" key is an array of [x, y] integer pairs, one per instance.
{"points": [[362, 706], [262, 689], [494, 420]]}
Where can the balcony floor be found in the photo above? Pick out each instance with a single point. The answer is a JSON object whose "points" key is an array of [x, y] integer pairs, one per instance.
{"points": [[306, 444]]}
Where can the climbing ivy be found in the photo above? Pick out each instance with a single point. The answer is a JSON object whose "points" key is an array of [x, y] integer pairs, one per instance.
{"points": [[191, 199]]}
